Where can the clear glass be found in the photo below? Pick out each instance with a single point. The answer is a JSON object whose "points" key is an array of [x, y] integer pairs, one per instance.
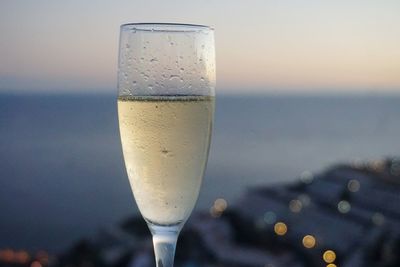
{"points": [[166, 83]]}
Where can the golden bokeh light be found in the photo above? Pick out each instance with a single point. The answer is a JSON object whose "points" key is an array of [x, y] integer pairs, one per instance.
{"points": [[220, 204], [329, 256], [309, 241], [218, 207], [331, 265], [280, 228]]}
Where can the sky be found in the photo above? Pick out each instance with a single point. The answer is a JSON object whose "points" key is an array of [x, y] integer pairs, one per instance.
{"points": [[261, 45]]}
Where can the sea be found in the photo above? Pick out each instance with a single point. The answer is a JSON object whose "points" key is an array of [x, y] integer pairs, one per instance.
{"points": [[62, 175]]}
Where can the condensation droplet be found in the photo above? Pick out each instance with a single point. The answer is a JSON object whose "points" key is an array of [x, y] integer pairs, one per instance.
{"points": [[172, 77], [202, 79], [150, 86], [181, 69], [154, 60]]}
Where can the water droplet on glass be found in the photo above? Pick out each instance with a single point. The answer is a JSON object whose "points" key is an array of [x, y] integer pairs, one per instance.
{"points": [[144, 47], [127, 46], [202, 79], [165, 151], [150, 86], [202, 46], [171, 43], [172, 77], [134, 83], [153, 60], [181, 69], [180, 57], [146, 77], [181, 80], [200, 59]]}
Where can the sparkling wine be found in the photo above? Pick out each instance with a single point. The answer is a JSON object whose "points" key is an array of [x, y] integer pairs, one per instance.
{"points": [[165, 141]]}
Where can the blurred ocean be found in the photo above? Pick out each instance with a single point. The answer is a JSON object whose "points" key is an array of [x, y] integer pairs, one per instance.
{"points": [[62, 175]]}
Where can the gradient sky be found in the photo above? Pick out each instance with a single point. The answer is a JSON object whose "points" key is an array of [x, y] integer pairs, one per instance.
{"points": [[262, 45]]}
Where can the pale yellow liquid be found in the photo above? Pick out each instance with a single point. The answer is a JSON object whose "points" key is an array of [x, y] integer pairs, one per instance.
{"points": [[165, 141]]}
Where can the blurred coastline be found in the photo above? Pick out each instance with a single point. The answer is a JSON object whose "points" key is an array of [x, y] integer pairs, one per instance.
{"points": [[62, 174], [345, 216]]}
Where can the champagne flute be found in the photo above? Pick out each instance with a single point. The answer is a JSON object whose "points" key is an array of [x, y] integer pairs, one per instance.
{"points": [[166, 81]]}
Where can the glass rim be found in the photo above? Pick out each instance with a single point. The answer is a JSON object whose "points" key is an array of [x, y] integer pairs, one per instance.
{"points": [[165, 27]]}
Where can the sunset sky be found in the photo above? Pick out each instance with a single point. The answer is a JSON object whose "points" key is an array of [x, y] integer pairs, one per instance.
{"points": [[261, 45]]}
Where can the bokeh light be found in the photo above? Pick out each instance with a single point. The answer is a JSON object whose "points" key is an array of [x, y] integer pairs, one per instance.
{"points": [[344, 206], [305, 199], [353, 185], [6, 255], [21, 257], [219, 206], [329, 256], [309, 241], [378, 219], [295, 206], [280, 228], [270, 217], [307, 177], [36, 264]]}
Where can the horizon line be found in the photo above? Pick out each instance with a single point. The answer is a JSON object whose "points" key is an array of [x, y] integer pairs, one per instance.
{"points": [[278, 91]]}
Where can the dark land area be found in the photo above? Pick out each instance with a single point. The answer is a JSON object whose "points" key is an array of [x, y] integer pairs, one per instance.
{"points": [[347, 216]]}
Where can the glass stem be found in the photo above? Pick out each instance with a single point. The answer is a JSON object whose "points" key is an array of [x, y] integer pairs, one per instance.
{"points": [[164, 242]]}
